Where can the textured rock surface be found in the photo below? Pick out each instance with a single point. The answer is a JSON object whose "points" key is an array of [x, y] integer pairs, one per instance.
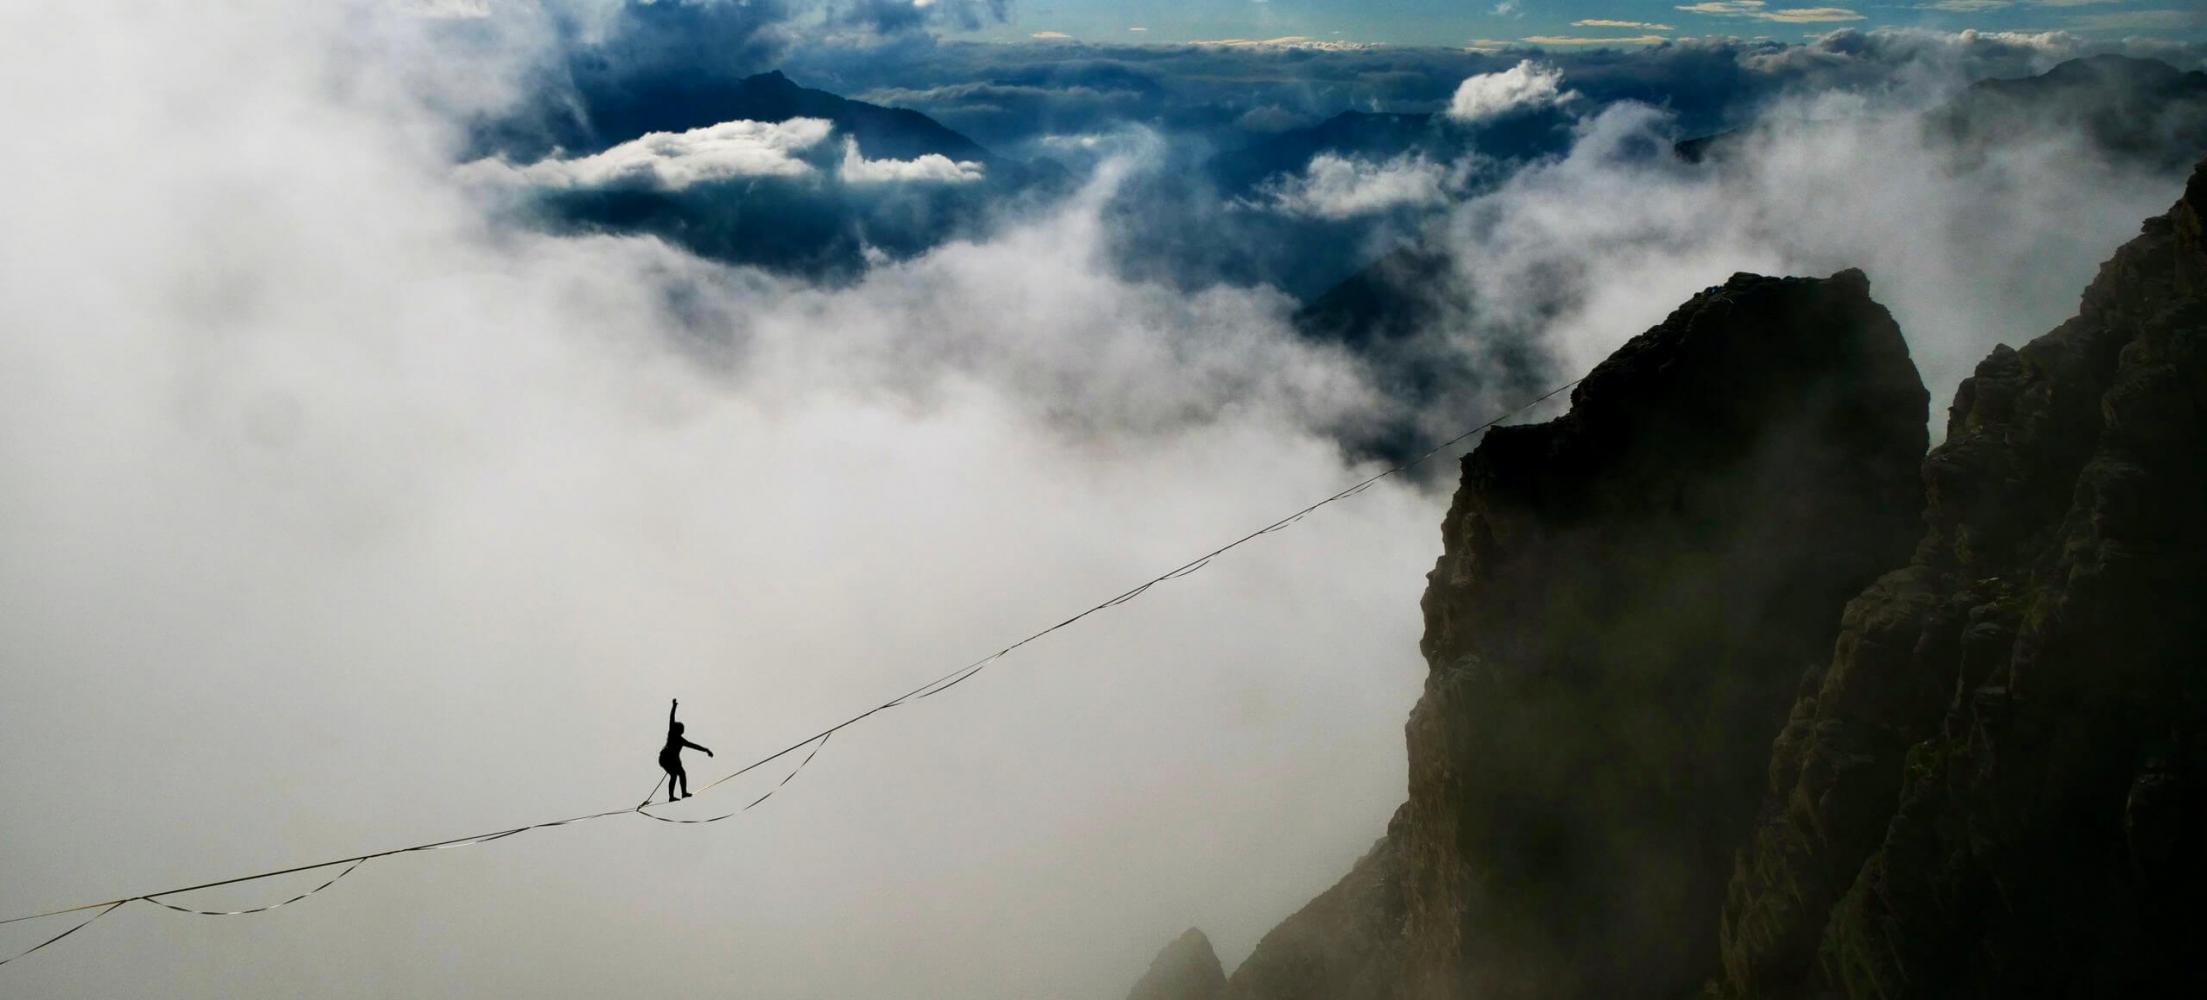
{"points": [[1344, 945], [1998, 786], [1992, 780], [1186, 970], [1627, 600]]}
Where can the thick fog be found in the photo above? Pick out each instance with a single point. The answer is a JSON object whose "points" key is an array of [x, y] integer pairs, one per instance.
{"points": [[339, 518], [340, 513]]}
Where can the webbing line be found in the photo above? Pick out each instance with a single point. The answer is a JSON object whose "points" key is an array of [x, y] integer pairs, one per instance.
{"points": [[109, 908], [927, 690], [157, 901]]}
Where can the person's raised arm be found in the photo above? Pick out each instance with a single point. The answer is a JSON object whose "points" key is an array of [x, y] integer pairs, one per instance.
{"points": [[670, 712]]}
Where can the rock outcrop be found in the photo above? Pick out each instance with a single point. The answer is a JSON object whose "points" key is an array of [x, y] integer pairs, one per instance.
{"points": [[1989, 771], [1998, 785], [1347, 944], [1186, 970], [1627, 599]]}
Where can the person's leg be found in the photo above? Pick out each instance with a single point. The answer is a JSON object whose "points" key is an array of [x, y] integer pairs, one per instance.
{"points": [[682, 778], [673, 775]]}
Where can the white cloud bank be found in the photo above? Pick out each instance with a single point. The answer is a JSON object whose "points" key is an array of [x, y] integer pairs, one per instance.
{"points": [[1342, 187], [671, 161], [676, 160], [932, 168], [1528, 84]]}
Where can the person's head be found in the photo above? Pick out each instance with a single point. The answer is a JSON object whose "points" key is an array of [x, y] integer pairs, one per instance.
{"points": [[677, 729]]}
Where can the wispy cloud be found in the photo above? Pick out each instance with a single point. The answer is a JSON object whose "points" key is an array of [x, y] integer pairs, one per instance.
{"points": [[1339, 187], [1968, 6], [1286, 42], [1603, 22], [932, 168], [1762, 11], [2140, 20], [1583, 41]]}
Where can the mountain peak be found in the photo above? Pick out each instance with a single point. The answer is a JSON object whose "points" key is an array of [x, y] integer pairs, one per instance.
{"points": [[1187, 969]]}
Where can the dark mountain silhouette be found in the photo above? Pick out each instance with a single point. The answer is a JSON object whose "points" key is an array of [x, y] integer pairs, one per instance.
{"points": [[1735, 691], [2140, 110], [2137, 110], [1397, 297], [816, 227], [622, 110], [1397, 316], [1186, 970], [1350, 133]]}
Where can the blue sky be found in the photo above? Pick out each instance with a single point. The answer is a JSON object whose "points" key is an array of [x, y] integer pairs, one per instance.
{"points": [[1576, 23]]}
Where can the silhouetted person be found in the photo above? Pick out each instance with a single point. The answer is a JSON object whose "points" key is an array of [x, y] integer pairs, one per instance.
{"points": [[670, 756]]}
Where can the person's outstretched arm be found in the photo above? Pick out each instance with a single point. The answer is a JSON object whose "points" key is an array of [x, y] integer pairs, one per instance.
{"points": [[697, 746], [670, 712]]}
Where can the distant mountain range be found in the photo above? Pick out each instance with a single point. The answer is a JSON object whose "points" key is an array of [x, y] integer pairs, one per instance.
{"points": [[816, 227], [1383, 136], [2139, 110]]}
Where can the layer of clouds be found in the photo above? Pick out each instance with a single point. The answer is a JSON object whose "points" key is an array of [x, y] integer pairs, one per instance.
{"points": [[1526, 85], [1008, 95], [894, 18]]}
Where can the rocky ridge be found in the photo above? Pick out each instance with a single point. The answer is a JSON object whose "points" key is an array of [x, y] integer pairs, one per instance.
{"points": [[1989, 775]]}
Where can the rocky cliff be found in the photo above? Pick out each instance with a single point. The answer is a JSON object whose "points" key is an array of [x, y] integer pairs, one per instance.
{"points": [[1983, 669], [1187, 969], [1626, 601], [1998, 784]]}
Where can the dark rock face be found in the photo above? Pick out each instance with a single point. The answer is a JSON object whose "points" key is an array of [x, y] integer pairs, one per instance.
{"points": [[1992, 780], [1347, 944], [1998, 786], [1626, 602], [1186, 970]]}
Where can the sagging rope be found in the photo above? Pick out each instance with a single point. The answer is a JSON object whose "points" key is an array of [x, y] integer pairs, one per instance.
{"points": [[349, 869], [816, 740]]}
